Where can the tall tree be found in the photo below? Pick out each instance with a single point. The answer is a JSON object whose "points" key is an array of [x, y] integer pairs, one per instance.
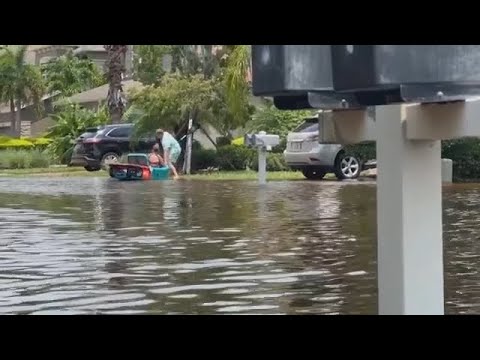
{"points": [[176, 99], [20, 84], [148, 63], [68, 74], [237, 71], [116, 68]]}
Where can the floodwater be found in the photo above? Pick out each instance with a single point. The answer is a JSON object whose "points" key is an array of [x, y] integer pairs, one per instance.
{"points": [[98, 246]]}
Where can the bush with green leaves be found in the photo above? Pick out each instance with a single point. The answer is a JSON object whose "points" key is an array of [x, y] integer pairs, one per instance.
{"points": [[204, 159], [70, 122], [23, 143], [364, 151], [275, 162], [235, 158], [465, 154], [69, 74], [278, 122], [24, 159]]}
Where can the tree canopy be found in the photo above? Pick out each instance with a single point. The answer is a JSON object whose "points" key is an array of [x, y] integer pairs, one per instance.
{"points": [[20, 83], [69, 74]]}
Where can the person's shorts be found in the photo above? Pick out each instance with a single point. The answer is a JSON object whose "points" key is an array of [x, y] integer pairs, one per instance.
{"points": [[174, 155]]}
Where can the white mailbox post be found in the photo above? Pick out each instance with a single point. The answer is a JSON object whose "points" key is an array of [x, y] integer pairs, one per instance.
{"points": [[420, 94], [263, 142], [409, 195]]}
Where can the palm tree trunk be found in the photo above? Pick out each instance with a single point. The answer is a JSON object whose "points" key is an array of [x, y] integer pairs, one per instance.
{"points": [[12, 117], [116, 69], [18, 120]]}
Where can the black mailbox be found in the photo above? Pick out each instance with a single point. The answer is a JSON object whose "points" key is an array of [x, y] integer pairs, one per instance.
{"points": [[279, 70], [292, 102], [297, 76], [383, 74], [316, 100]]}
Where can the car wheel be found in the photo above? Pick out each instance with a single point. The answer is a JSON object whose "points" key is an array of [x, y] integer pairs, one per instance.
{"points": [[313, 174], [347, 167], [109, 158], [91, 168]]}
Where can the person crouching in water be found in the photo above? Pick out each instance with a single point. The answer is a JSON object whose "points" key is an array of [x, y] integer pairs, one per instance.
{"points": [[171, 150], [155, 158]]}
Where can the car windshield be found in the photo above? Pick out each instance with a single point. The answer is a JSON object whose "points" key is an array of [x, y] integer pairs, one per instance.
{"points": [[307, 126]]}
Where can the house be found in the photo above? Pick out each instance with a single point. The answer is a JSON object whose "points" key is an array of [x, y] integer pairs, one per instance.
{"points": [[32, 124]]}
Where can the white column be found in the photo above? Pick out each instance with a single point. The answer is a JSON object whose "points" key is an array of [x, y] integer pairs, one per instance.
{"points": [[262, 165], [409, 207], [188, 148]]}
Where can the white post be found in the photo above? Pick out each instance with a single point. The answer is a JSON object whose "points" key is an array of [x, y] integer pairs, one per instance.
{"points": [[409, 208], [188, 148], [262, 165]]}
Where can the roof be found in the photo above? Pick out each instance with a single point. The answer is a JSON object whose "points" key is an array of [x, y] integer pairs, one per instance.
{"points": [[100, 93], [92, 48]]}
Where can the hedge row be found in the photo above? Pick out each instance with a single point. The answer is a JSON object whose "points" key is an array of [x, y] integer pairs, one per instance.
{"points": [[465, 154], [235, 157], [23, 143], [24, 159]]}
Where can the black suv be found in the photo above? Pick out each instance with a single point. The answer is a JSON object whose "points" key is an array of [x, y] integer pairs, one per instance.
{"points": [[98, 146]]}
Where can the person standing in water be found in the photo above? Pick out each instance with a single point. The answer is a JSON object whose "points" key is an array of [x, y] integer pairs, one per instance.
{"points": [[171, 150]]}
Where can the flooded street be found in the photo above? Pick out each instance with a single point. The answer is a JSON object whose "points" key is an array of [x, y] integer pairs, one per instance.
{"points": [[99, 246]]}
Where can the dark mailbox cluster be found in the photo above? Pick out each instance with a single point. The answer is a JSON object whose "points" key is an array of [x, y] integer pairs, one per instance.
{"points": [[350, 76]]}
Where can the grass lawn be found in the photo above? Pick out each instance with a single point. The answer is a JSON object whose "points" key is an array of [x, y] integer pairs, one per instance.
{"points": [[51, 171], [221, 175]]}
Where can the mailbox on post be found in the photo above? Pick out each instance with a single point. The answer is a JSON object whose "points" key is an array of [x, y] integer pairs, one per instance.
{"points": [[385, 74], [263, 142], [297, 76]]}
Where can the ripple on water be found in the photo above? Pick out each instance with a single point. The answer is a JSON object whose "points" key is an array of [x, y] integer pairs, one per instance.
{"points": [[97, 246]]}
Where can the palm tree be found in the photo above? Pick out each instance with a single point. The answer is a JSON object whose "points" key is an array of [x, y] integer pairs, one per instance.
{"points": [[237, 73], [20, 84], [116, 68]]}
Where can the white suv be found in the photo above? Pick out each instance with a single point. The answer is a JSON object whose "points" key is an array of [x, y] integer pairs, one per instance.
{"points": [[305, 153]]}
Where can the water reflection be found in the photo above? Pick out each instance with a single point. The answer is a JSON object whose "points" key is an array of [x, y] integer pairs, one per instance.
{"points": [[100, 246]]}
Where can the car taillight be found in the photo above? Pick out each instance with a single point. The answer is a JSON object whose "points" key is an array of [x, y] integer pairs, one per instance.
{"points": [[91, 141]]}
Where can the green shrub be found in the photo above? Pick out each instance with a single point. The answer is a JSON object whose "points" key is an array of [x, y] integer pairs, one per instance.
{"points": [[465, 154], [223, 141], [39, 159], [203, 159], [23, 143], [364, 151], [23, 159], [275, 162], [8, 143], [40, 143], [234, 157]]}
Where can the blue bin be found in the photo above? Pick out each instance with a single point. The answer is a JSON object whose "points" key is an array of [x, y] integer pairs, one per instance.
{"points": [[160, 173]]}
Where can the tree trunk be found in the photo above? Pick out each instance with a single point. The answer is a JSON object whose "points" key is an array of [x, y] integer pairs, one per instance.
{"points": [[12, 118], [18, 120], [116, 70]]}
